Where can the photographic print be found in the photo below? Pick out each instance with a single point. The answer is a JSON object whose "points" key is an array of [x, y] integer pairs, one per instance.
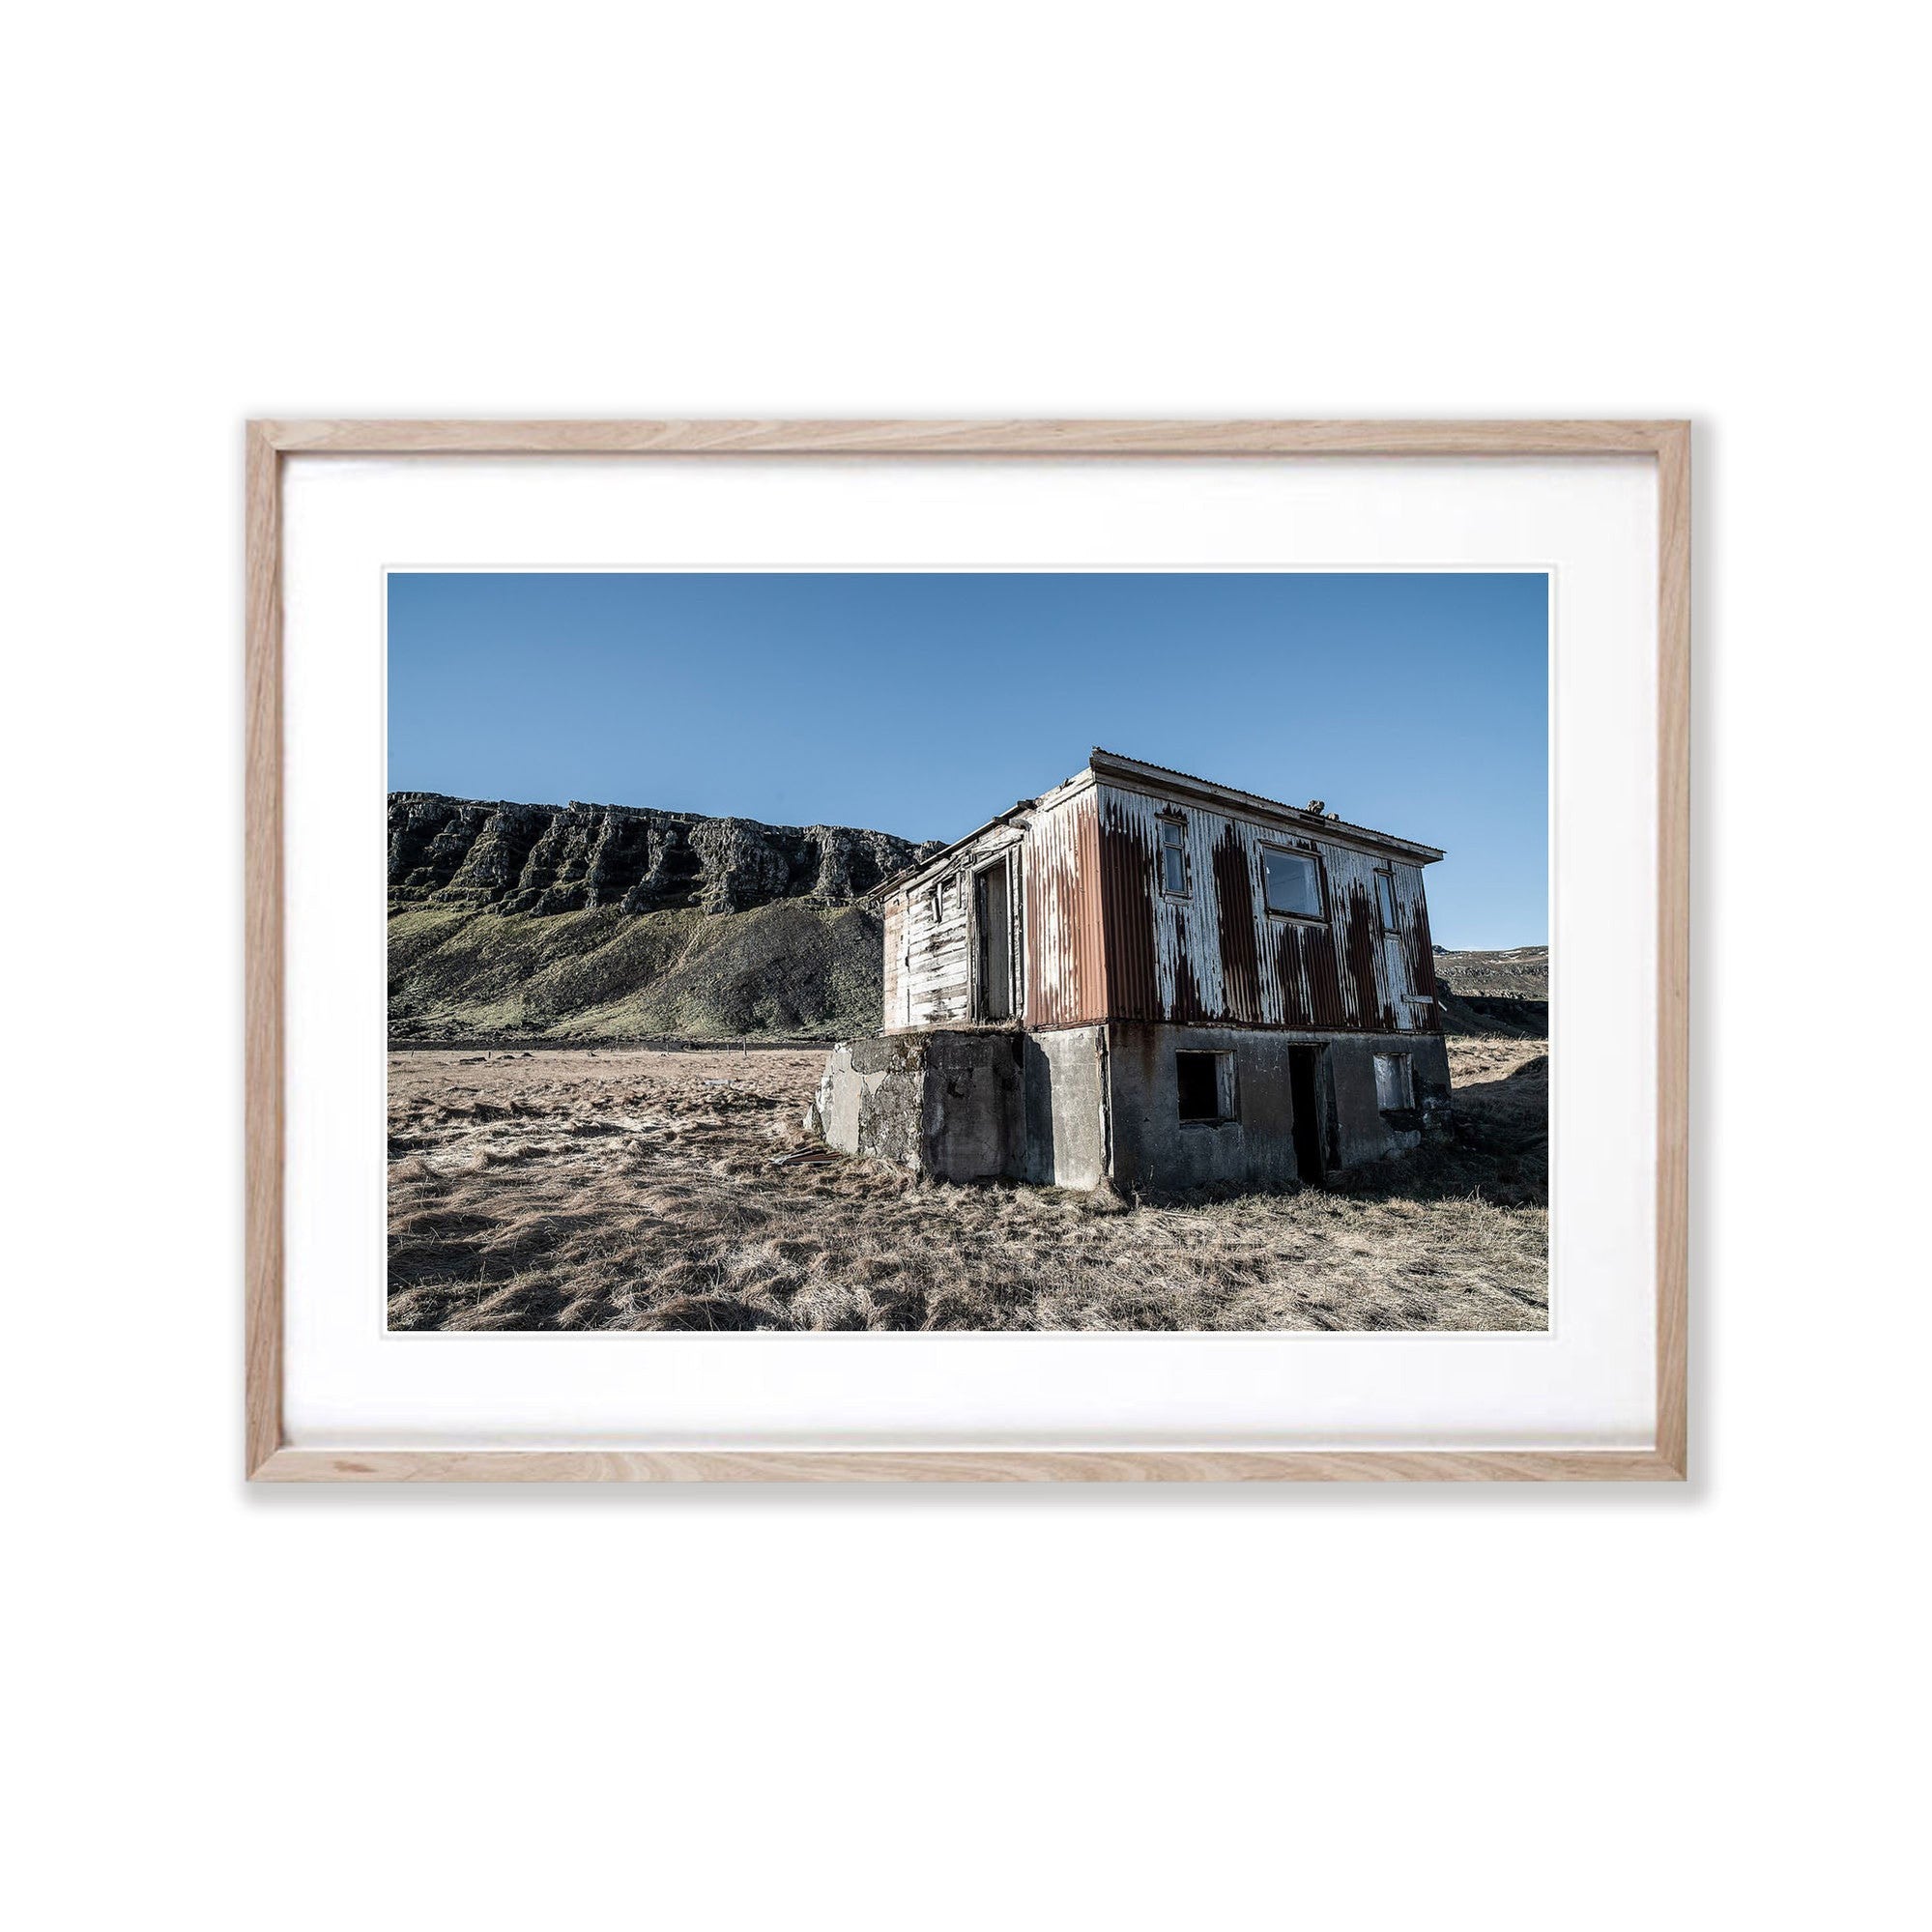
{"points": [[1001, 950]]}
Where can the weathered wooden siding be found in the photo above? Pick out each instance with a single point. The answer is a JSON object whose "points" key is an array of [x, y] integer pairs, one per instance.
{"points": [[1218, 956], [934, 967], [894, 1006], [1065, 978], [929, 954]]}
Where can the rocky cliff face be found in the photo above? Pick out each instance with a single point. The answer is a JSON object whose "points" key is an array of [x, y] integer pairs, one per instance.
{"points": [[576, 858]]}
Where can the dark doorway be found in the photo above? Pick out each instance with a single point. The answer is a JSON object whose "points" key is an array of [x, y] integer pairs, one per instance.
{"points": [[1306, 1096], [992, 922]]}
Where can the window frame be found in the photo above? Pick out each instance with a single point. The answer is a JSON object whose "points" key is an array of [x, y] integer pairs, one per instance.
{"points": [[1175, 819], [1314, 857], [1227, 1087], [1388, 915], [1407, 1102]]}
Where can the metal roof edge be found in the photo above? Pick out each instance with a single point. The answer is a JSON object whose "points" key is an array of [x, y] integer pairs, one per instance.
{"points": [[1104, 764], [1115, 764], [906, 876]]}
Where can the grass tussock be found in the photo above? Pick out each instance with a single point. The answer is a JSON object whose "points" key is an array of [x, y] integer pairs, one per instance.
{"points": [[633, 1189]]}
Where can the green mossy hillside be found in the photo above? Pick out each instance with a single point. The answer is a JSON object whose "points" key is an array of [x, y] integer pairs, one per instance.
{"points": [[786, 970]]}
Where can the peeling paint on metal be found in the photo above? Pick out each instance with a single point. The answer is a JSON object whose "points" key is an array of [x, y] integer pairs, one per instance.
{"points": [[1218, 956], [1065, 974], [1102, 941]]}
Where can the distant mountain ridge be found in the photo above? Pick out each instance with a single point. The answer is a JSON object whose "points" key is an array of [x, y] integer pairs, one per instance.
{"points": [[549, 859], [1521, 972], [1504, 991], [578, 922]]}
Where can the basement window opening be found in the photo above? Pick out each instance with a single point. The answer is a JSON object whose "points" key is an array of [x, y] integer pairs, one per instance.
{"points": [[1175, 858], [1395, 1086], [1291, 883], [1204, 1088]]}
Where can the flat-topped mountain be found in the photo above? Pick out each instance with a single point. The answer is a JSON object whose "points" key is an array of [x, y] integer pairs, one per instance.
{"points": [[579, 922], [549, 859]]}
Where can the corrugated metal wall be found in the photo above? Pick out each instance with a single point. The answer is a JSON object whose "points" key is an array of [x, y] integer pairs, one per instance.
{"points": [[1102, 941], [1066, 979], [1218, 956]]}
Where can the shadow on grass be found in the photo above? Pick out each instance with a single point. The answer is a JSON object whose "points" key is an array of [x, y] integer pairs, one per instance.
{"points": [[1492, 1015]]}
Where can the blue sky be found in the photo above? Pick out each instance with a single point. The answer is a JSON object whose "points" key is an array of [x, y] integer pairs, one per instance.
{"points": [[922, 703]]}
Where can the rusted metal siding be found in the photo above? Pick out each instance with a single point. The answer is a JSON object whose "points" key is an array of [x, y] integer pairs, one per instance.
{"points": [[1097, 939], [1065, 964], [1215, 956]]}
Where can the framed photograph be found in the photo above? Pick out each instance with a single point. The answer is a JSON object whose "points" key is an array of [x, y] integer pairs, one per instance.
{"points": [[968, 951]]}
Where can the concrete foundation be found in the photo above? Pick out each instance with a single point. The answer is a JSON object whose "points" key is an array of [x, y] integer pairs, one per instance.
{"points": [[950, 1104], [1272, 1135], [1066, 1108], [1079, 1106]]}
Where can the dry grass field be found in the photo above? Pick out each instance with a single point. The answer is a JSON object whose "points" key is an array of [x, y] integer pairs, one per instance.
{"points": [[635, 1189]]}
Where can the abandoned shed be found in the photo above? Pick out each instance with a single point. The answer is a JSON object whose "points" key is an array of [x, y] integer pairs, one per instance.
{"points": [[1151, 980]]}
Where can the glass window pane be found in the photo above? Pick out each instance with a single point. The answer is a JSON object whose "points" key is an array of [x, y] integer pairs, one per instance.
{"points": [[1392, 1091], [1174, 859], [1289, 884], [1385, 891]]}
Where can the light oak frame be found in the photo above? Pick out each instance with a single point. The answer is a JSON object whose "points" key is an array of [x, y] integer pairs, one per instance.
{"points": [[269, 1458]]}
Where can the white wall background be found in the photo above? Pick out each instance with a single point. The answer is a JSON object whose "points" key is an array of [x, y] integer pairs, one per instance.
{"points": [[1330, 1708]]}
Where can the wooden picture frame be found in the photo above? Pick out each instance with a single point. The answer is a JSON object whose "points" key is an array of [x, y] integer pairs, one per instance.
{"points": [[267, 1455]]}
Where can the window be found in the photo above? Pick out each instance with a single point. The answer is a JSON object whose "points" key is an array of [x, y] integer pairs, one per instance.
{"points": [[1205, 1086], [1291, 883], [1174, 857], [1385, 900], [1394, 1091]]}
